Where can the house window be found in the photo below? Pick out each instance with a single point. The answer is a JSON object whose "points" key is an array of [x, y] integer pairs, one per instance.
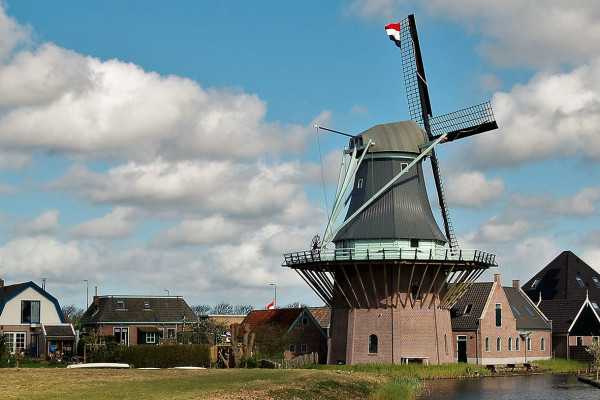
{"points": [[517, 344], [373, 345], [487, 343], [529, 311], [120, 304], [161, 333], [498, 315], [596, 281], [15, 341], [543, 344], [304, 321], [150, 337], [468, 309], [510, 344], [171, 333], [535, 282], [30, 312], [580, 281], [595, 339], [414, 243], [515, 310], [292, 348], [146, 305], [121, 335], [579, 340], [359, 184], [304, 348], [528, 344], [498, 343]]}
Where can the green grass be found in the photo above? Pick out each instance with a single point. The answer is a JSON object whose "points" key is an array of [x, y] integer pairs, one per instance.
{"points": [[398, 389], [455, 370], [561, 365]]}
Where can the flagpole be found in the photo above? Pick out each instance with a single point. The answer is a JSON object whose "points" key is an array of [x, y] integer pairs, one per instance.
{"points": [[275, 299]]}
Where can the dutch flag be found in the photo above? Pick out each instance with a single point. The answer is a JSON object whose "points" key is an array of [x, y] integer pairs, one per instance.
{"points": [[393, 31]]}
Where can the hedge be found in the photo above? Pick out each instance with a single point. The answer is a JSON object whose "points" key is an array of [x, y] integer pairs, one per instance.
{"points": [[164, 356]]}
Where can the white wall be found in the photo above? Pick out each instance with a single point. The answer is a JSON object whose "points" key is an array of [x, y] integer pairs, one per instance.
{"points": [[11, 315]]}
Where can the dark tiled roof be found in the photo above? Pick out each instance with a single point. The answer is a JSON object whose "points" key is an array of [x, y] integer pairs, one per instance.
{"points": [[525, 312], [58, 332], [281, 316], [6, 291], [322, 315], [561, 313], [161, 310], [477, 296], [558, 280]]}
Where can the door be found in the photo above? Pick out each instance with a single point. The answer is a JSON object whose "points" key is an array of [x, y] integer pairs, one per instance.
{"points": [[461, 348], [33, 345]]}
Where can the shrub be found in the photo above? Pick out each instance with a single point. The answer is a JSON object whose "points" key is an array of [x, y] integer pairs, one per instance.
{"points": [[164, 356]]}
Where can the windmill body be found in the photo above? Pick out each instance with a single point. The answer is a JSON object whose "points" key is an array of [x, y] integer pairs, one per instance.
{"points": [[387, 270]]}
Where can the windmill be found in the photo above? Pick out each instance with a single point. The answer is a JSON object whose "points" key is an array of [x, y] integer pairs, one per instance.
{"points": [[393, 275]]}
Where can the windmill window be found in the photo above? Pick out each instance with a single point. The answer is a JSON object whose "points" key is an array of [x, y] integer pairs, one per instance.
{"points": [[579, 340], [535, 282], [414, 243], [595, 305], [304, 321], [414, 290], [580, 281], [359, 184], [403, 166], [515, 310], [373, 345], [596, 281], [468, 309]]}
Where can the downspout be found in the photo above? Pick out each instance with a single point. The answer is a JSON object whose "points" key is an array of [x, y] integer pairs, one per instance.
{"points": [[477, 345]]}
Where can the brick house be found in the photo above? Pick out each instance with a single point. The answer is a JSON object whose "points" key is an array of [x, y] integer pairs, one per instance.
{"points": [[567, 290], [492, 324], [32, 321], [311, 337], [138, 319]]}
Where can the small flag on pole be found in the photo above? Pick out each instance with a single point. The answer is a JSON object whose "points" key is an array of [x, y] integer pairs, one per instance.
{"points": [[393, 31], [271, 305]]}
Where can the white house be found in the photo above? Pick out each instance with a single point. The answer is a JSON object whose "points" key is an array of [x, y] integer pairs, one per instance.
{"points": [[32, 321]]}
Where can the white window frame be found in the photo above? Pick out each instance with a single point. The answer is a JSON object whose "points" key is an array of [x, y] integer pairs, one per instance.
{"points": [[304, 348], [13, 339], [487, 344], [517, 344], [510, 344], [150, 337], [528, 343], [122, 330], [174, 331], [543, 344]]}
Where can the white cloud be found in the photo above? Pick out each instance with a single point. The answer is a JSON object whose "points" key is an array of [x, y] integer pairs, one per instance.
{"points": [[118, 224], [499, 230], [592, 257], [472, 189], [12, 34], [44, 256], [552, 116], [213, 229], [579, 204], [359, 110], [45, 223]]}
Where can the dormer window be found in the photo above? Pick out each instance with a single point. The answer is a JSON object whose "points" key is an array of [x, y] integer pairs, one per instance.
{"points": [[580, 281], [535, 282], [596, 281], [146, 305], [468, 309], [359, 184], [120, 304]]}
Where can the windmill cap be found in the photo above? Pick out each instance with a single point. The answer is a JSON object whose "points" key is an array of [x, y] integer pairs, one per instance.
{"points": [[403, 136]]}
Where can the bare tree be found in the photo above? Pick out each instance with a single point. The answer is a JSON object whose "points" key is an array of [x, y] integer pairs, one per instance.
{"points": [[73, 313], [296, 304], [243, 309], [201, 309], [222, 308]]}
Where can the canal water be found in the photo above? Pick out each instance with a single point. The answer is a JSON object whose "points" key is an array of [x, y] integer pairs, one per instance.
{"points": [[530, 387]]}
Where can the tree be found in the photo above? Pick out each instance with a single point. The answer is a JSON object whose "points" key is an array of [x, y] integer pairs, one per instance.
{"points": [[207, 331], [273, 340], [594, 350], [222, 308], [243, 309], [201, 309], [73, 313]]}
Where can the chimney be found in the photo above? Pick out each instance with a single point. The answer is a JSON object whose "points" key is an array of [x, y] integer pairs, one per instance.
{"points": [[497, 278], [516, 283]]}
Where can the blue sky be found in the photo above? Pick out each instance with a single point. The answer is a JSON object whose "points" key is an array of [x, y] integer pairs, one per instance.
{"points": [[157, 145]]}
